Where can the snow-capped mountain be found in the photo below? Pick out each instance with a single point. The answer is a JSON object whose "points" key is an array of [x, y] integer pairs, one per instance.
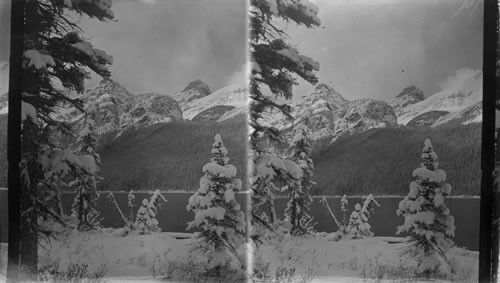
{"points": [[194, 90], [150, 108], [221, 104], [409, 96], [118, 110], [327, 113], [449, 104], [471, 114]]}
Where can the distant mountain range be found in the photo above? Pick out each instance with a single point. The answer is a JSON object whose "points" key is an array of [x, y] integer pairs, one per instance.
{"points": [[460, 102], [328, 114], [124, 118]]}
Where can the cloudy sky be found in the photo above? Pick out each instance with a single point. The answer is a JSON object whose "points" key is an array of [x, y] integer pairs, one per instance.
{"points": [[375, 48], [366, 48], [4, 31], [162, 45]]}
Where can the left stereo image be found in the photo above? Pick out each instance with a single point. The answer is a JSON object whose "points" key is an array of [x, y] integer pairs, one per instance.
{"points": [[133, 141]]}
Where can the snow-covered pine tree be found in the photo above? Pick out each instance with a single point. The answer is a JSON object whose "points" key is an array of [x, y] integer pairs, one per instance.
{"points": [[271, 174], [299, 197], [131, 206], [343, 207], [358, 223], [85, 184], [427, 218], [217, 213], [54, 54], [145, 221], [274, 62]]}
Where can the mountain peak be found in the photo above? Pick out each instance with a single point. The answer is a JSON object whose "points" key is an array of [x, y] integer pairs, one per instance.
{"points": [[414, 91], [324, 86], [198, 85]]}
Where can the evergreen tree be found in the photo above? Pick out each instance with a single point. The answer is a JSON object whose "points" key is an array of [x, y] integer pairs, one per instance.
{"points": [[358, 226], [297, 211], [274, 65], [427, 218], [146, 222], [217, 213], [131, 206], [345, 219], [54, 54], [84, 204], [271, 174]]}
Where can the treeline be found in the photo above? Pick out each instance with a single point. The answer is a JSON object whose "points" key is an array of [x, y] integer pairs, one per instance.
{"points": [[169, 156], [381, 161]]}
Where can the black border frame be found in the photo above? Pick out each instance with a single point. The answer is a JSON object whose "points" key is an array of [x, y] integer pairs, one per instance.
{"points": [[488, 242], [488, 247], [14, 137]]}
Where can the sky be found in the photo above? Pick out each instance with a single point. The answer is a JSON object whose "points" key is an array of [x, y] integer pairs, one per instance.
{"points": [[161, 46], [375, 48], [4, 31], [366, 48]]}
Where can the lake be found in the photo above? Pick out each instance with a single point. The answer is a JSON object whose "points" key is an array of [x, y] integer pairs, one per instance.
{"points": [[173, 216]]}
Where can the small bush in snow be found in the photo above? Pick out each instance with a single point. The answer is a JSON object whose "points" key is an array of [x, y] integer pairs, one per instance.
{"points": [[131, 206], [358, 222], [76, 272], [146, 221], [426, 216], [217, 213], [343, 207]]}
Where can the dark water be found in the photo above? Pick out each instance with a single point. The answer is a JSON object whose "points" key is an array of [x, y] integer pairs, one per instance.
{"points": [[173, 215]]}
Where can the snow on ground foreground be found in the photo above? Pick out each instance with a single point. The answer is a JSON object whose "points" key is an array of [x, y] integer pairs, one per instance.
{"points": [[3, 261], [353, 260], [130, 257], [136, 258]]}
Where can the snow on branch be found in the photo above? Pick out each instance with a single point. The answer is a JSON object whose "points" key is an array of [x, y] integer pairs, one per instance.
{"points": [[38, 60]]}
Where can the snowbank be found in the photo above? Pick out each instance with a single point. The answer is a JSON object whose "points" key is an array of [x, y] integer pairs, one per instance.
{"points": [[355, 260]]}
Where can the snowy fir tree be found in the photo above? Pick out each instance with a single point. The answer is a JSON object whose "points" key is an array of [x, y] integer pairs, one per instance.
{"points": [[274, 65], [358, 226], [131, 206], [217, 213], [427, 218], [274, 61], [56, 61], [271, 174], [299, 197], [145, 221], [85, 184], [343, 208]]}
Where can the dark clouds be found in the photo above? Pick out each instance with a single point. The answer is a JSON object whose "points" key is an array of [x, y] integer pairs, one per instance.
{"points": [[375, 48], [163, 45], [4, 30]]}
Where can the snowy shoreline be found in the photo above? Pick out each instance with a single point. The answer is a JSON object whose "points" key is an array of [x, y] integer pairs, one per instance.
{"points": [[248, 192]]}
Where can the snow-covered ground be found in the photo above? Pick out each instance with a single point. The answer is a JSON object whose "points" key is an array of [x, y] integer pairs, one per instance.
{"points": [[377, 258], [3, 261], [309, 258]]}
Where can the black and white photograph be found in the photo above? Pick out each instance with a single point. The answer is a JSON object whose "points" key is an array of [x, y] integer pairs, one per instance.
{"points": [[247, 141], [366, 139], [134, 133]]}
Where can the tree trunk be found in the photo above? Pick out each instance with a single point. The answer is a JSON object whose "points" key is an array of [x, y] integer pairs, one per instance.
{"points": [[272, 211], [113, 200], [81, 217], [330, 212], [60, 210], [29, 225]]}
